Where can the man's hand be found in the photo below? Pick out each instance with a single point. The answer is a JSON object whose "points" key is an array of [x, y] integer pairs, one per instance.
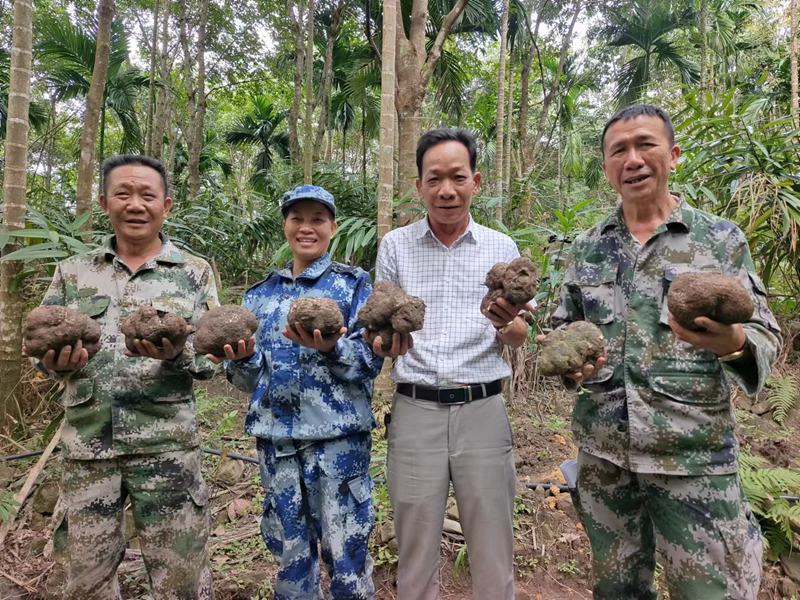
{"points": [[68, 359], [300, 336], [501, 312], [716, 337], [401, 343], [587, 370], [243, 349], [168, 350]]}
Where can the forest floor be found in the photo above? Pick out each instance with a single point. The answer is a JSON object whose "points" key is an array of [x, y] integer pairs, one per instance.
{"points": [[551, 549]]}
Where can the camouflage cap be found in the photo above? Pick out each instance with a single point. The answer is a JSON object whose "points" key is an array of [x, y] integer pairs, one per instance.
{"points": [[308, 192]]}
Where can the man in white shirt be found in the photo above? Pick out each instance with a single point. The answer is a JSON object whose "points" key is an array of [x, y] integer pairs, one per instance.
{"points": [[449, 421]]}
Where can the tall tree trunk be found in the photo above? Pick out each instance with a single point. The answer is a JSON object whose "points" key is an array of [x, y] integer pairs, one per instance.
{"points": [[384, 387], [499, 144], [549, 97], [327, 76], [413, 68], [14, 185], [195, 91], [793, 60], [160, 119], [702, 27], [386, 140], [50, 145], [509, 123], [198, 130], [151, 103], [94, 107], [363, 145], [524, 106], [308, 140], [296, 13], [524, 99]]}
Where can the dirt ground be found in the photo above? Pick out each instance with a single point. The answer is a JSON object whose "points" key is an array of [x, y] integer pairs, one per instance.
{"points": [[551, 549]]}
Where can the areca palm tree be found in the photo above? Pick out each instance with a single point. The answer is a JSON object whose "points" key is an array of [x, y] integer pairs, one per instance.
{"points": [[260, 128], [67, 54], [647, 26]]}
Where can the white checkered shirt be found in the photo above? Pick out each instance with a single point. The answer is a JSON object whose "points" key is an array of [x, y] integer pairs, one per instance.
{"points": [[457, 345]]}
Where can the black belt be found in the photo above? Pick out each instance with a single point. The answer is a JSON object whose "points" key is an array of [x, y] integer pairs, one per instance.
{"points": [[455, 395]]}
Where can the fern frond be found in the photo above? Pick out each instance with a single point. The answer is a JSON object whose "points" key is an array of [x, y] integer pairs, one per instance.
{"points": [[784, 391]]}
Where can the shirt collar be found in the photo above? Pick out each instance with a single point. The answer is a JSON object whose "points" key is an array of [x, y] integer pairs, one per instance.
{"points": [[470, 233], [680, 219], [312, 271], [169, 253]]}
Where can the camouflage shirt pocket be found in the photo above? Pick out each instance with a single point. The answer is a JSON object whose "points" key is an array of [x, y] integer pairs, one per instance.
{"points": [[78, 391], [759, 293], [698, 382], [598, 294], [93, 306]]}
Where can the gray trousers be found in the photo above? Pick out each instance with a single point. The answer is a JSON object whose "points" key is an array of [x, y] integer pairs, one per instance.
{"points": [[431, 445]]}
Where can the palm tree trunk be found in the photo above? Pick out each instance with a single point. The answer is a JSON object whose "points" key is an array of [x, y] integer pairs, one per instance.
{"points": [[15, 176], [151, 104], [162, 103], [294, 112], [702, 26], [195, 91], [384, 387], [94, 107], [52, 133], [509, 120], [793, 61], [308, 140], [386, 140], [327, 76], [499, 144], [363, 146], [198, 129]]}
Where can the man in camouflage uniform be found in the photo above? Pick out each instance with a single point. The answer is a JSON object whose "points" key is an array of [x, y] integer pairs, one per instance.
{"points": [[657, 465], [130, 428], [310, 411]]}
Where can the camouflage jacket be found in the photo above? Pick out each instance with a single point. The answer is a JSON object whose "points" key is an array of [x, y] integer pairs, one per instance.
{"points": [[301, 395], [118, 405], [661, 405]]}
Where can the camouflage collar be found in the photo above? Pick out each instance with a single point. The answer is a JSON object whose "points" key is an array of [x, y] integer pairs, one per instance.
{"points": [[312, 271], [169, 252], [679, 220]]}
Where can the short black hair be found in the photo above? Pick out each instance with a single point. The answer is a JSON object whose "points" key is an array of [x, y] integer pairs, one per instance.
{"points": [[434, 137], [120, 160], [639, 110]]}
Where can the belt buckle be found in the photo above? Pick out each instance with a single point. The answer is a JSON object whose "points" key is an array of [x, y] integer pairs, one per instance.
{"points": [[450, 401]]}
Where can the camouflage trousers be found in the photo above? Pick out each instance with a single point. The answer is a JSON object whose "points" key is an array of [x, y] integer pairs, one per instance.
{"points": [[707, 538], [319, 500], [168, 500]]}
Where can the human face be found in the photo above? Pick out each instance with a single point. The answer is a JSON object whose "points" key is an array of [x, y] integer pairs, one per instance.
{"points": [[447, 184], [308, 227], [638, 158], [135, 203]]}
